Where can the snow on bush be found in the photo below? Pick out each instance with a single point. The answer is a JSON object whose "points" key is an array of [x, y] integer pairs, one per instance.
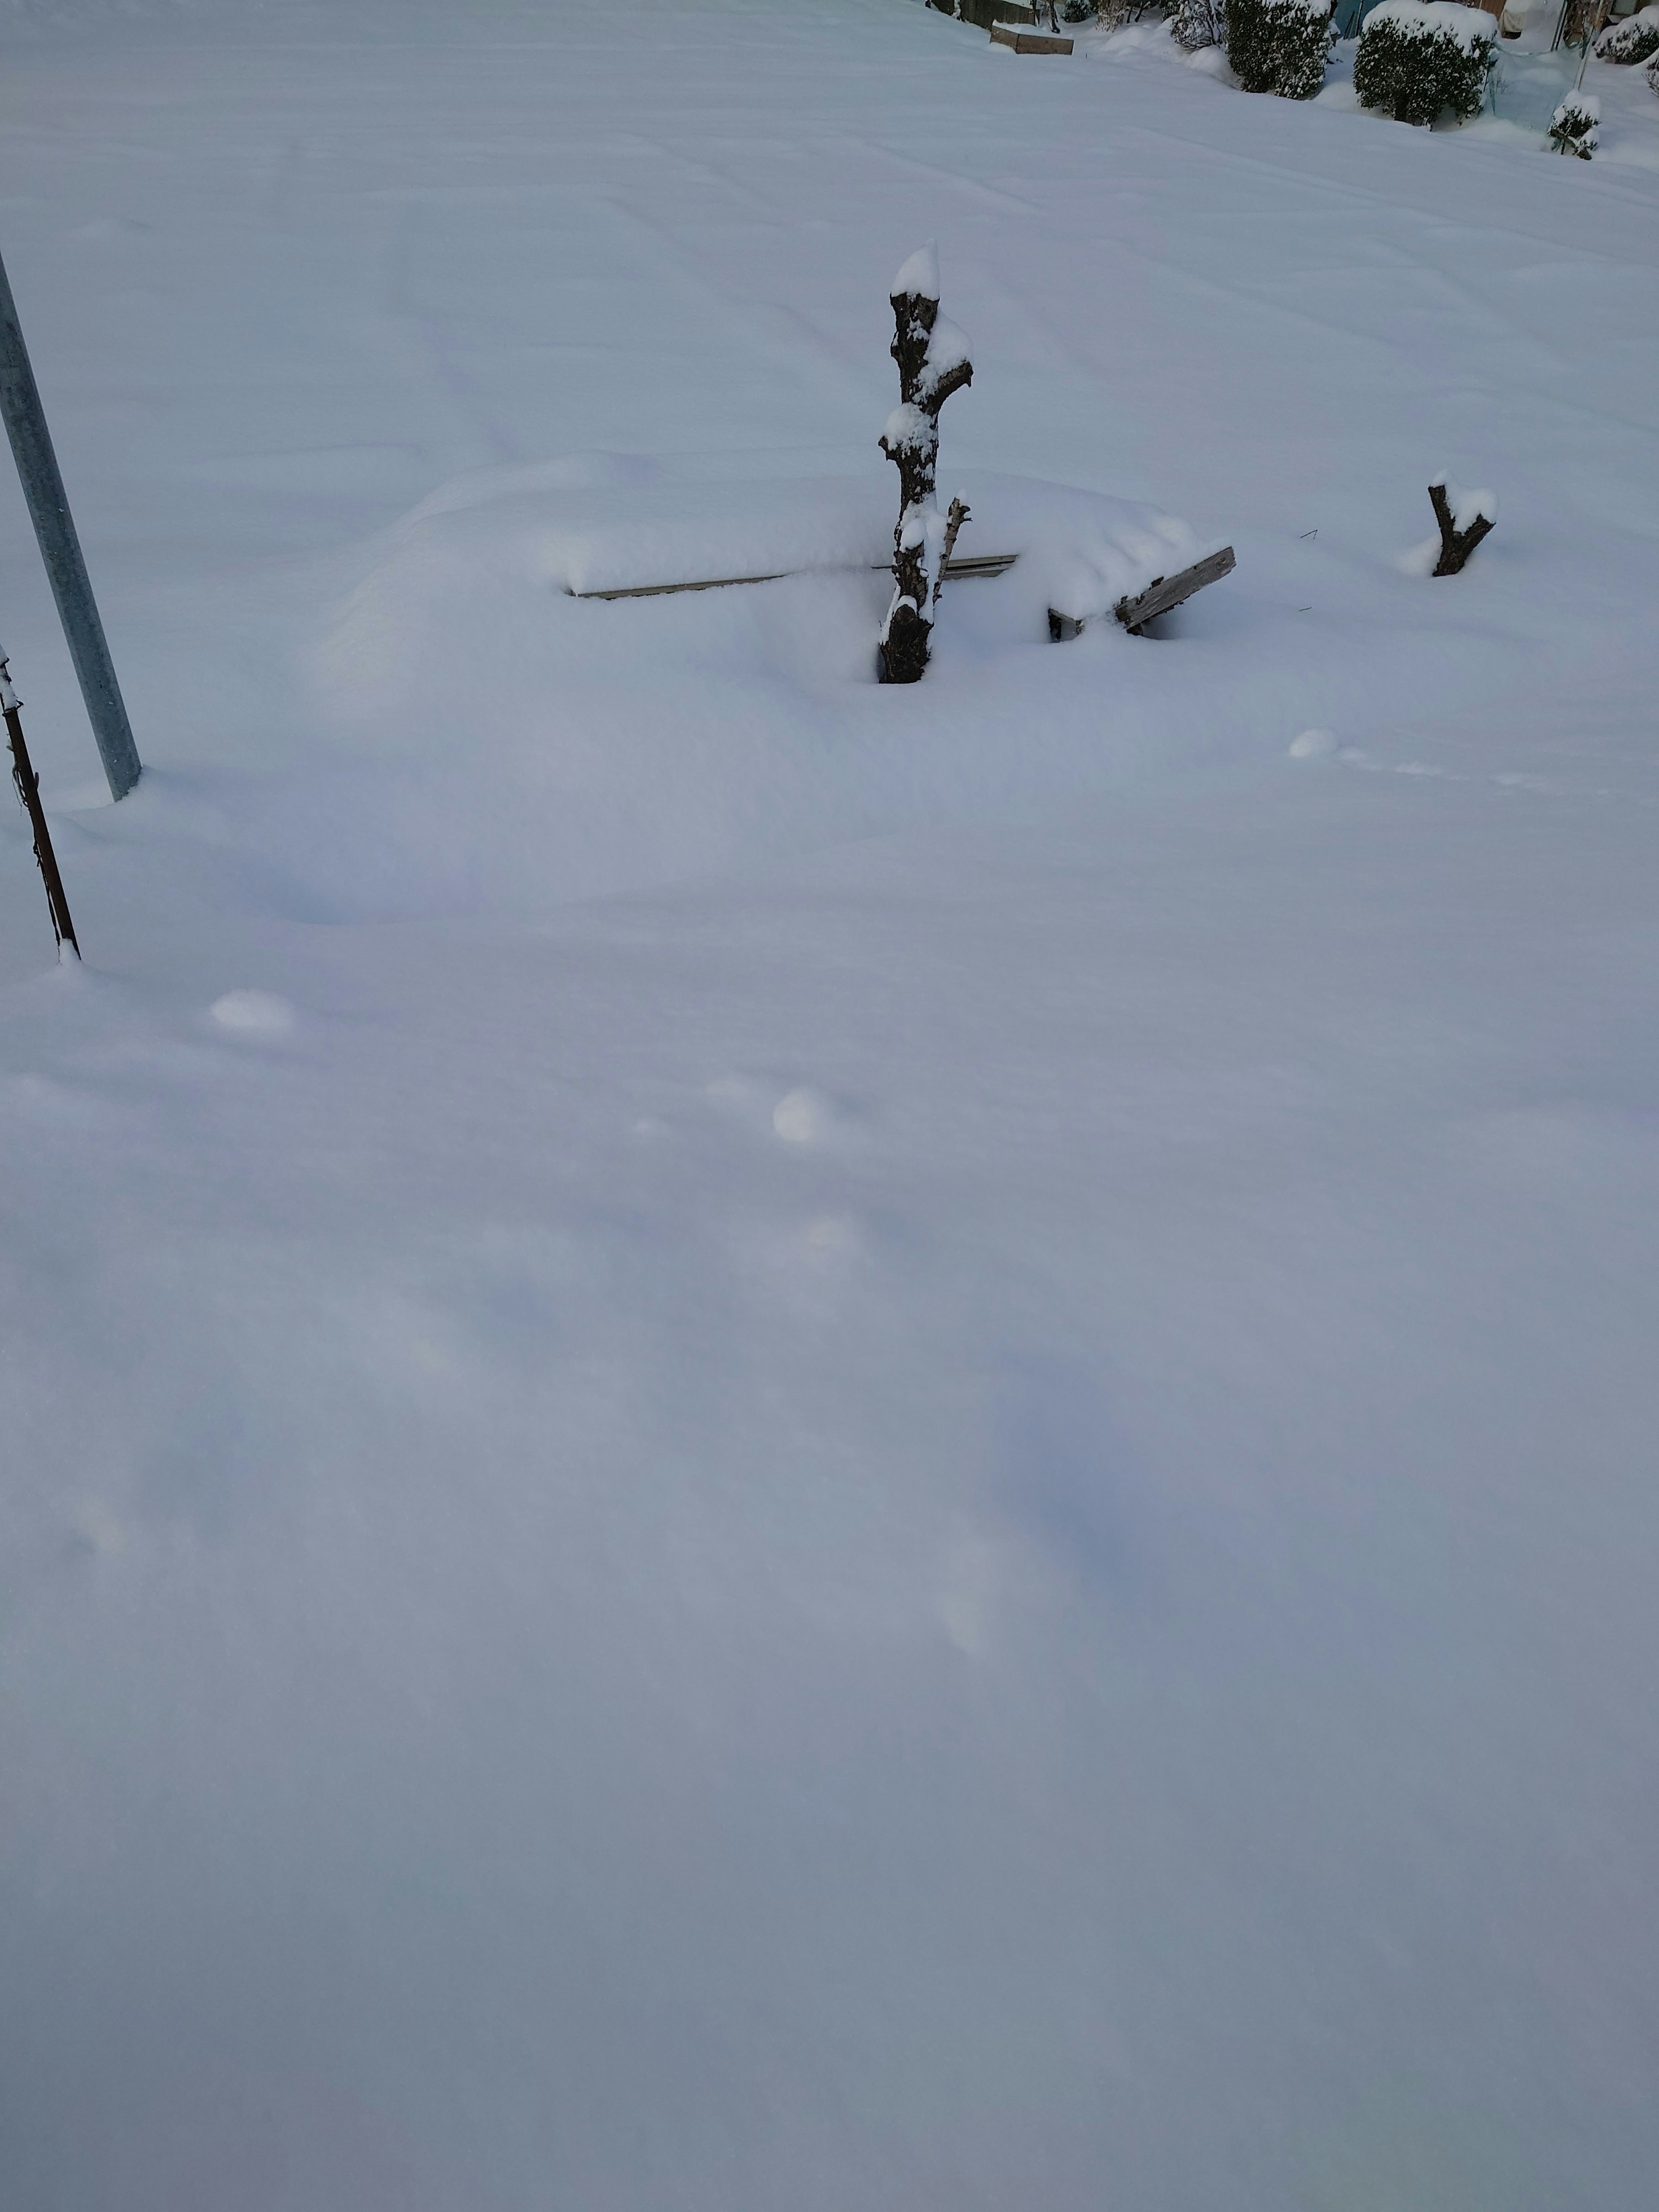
{"points": [[1653, 74], [1572, 126], [1634, 39], [1419, 57], [1197, 23], [1280, 45]]}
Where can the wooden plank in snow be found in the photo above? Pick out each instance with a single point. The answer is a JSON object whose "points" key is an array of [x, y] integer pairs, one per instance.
{"points": [[976, 564], [1029, 42], [1163, 593]]}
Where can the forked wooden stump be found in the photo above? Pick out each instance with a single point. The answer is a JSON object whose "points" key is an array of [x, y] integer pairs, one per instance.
{"points": [[1456, 545]]}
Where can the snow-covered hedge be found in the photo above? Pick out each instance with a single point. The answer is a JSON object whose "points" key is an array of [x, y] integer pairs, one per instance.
{"points": [[1573, 125], [1634, 39], [1197, 23], [1280, 46], [1419, 57]]}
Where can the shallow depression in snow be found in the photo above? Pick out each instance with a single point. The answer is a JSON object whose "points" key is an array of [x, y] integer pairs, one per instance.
{"points": [[771, 1443]]}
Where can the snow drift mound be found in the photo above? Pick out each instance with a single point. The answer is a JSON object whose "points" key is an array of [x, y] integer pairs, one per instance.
{"points": [[551, 746], [594, 523]]}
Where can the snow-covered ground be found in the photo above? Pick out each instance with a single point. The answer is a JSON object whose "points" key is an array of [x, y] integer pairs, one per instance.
{"points": [[769, 1444], [1529, 81]]}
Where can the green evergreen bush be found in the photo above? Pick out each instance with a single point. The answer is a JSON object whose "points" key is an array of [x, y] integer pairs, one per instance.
{"points": [[1280, 45], [1197, 23], [1634, 39], [1572, 126], [1419, 57]]}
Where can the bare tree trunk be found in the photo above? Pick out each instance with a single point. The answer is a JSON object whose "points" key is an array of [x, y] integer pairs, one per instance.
{"points": [[933, 363]]}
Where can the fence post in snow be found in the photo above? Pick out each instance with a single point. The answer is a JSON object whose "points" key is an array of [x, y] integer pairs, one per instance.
{"points": [[60, 550], [28, 791]]}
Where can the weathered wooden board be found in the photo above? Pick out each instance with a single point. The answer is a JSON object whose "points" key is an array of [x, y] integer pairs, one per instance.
{"points": [[974, 564], [1029, 42], [956, 571], [1163, 593], [703, 584]]}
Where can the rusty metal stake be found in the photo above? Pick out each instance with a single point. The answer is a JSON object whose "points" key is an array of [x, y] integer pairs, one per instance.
{"points": [[28, 790]]}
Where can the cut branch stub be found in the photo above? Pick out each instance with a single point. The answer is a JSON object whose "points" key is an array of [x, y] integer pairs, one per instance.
{"points": [[932, 362], [1456, 545], [958, 513]]}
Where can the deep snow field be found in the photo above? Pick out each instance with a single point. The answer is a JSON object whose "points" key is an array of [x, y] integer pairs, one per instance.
{"points": [[776, 1446]]}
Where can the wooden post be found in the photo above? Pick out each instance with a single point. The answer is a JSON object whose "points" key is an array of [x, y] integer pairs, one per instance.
{"points": [[28, 790]]}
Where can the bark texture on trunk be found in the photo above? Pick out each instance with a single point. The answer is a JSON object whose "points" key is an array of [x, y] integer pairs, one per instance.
{"points": [[1456, 545], [933, 363]]}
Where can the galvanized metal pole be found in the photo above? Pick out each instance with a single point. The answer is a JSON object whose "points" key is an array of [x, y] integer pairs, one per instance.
{"points": [[60, 548]]}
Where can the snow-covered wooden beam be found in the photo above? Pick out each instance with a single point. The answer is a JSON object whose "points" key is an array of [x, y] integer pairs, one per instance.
{"points": [[956, 569], [1029, 42], [1163, 593]]}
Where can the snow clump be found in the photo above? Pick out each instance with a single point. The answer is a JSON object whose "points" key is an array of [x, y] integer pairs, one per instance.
{"points": [[253, 1013]]}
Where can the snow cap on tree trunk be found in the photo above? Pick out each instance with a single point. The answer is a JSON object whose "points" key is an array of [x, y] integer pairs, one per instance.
{"points": [[947, 349], [919, 278], [1466, 506]]}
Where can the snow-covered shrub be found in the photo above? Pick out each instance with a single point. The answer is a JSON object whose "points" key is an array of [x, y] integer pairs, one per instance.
{"points": [[1197, 23], [1572, 126], [1419, 57], [1280, 46], [1634, 39], [1653, 75], [1077, 11]]}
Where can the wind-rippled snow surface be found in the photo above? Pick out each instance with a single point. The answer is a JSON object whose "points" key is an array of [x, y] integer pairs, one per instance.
{"points": [[766, 1444]]}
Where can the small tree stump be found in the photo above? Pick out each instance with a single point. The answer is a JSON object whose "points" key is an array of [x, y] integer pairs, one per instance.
{"points": [[1456, 545]]}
